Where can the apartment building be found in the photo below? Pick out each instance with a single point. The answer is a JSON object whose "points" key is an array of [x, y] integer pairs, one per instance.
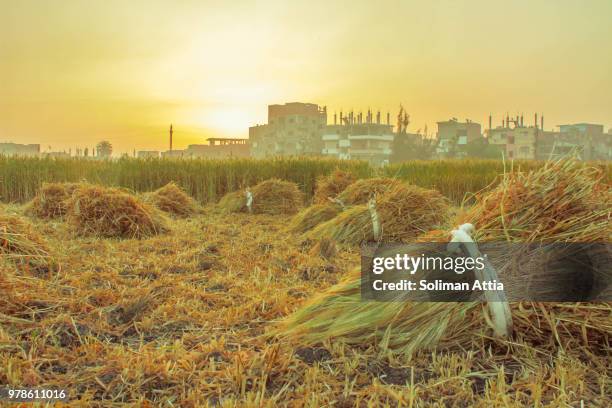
{"points": [[372, 142], [293, 129], [517, 143], [453, 136]]}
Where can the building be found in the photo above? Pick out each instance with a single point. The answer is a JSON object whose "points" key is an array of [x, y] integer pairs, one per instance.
{"points": [[16, 149], [518, 142], [217, 148], [588, 141], [148, 154], [453, 136], [372, 142], [293, 129]]}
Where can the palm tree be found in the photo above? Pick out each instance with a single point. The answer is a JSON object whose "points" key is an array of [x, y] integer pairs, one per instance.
{"points": [[104, 149]]}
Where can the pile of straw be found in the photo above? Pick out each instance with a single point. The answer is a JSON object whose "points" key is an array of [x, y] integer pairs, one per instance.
{"points": [[113, 213], [20, 243], [332, 185], [312, 216], [173, 200], [362, 190], [404, 212], [562, 202], [51, 201], [272, 197]]}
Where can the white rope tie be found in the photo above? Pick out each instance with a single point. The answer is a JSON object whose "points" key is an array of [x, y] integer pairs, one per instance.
{"points": [[249, 200], [375, 219], [496, 300]]}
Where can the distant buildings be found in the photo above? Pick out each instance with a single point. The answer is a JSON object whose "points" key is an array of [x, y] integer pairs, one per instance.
{"points": [[215, 149], [453, 137], [587, 140], [293, 129], [16, 149], [368, 141]]}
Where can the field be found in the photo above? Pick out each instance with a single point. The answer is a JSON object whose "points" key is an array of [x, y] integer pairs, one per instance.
{"points": [[180, 318], [209, 180]]}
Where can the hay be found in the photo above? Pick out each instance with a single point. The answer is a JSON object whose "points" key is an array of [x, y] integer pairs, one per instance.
{"points": [[113, 213], [20, 243], [362, 190], [51, 201], [272, 197], [331, 185], [405, 211], [562, 202], [312, 216], [173, 200]]}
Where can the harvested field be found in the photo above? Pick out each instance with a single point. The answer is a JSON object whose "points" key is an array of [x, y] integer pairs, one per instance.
{"points": [[185, 318]]}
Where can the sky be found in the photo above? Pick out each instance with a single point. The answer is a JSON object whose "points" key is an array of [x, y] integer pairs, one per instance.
{"points": [[73, 73]]}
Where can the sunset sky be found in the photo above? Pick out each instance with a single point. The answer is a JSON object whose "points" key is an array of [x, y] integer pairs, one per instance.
{"points": [[75, 72]]}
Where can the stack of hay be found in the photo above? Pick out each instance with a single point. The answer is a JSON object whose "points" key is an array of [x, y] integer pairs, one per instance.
{"points": [[51, 201], [403, 211], [332, 196], [113, 213], [564, 201], [272, 197], [173, 200], [20, 243], [331, 185]]}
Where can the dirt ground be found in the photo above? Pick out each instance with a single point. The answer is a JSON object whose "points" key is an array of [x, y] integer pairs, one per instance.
{"points": [[178, 320]]}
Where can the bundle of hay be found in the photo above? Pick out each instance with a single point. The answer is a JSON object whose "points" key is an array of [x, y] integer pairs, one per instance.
{"points": [[402, 213], [331, 185], [173, 200], [562, 202], [271, 197], [51, 201], [20, 243], [312, 216], [362, 190], [113, 213]]}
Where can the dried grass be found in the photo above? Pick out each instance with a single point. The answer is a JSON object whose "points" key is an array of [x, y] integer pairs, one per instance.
{"points": [[113, 213], [312, 216], [21, 244], [173, 200], [51, 201], [272, 197], [331, 185], [362, 190], [563, 202], [404, 211]]}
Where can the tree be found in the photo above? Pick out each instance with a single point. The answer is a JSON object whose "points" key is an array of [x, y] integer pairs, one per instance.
{"points": [[104, 149]]}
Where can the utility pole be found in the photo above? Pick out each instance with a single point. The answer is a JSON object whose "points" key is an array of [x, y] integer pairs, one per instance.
{"points": [[171, 132]]}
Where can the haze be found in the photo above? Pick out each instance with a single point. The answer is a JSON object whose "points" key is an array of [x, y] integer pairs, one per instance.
{"points": [[76, 72]]}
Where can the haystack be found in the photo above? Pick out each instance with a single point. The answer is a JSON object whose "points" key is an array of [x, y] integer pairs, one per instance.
{"points": [[113, 213], [402, 212], [51, 201], [312, 216], [20, 243], [331, 185], [362, 190], [173, 200], [562, 202], [271, 197]]}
